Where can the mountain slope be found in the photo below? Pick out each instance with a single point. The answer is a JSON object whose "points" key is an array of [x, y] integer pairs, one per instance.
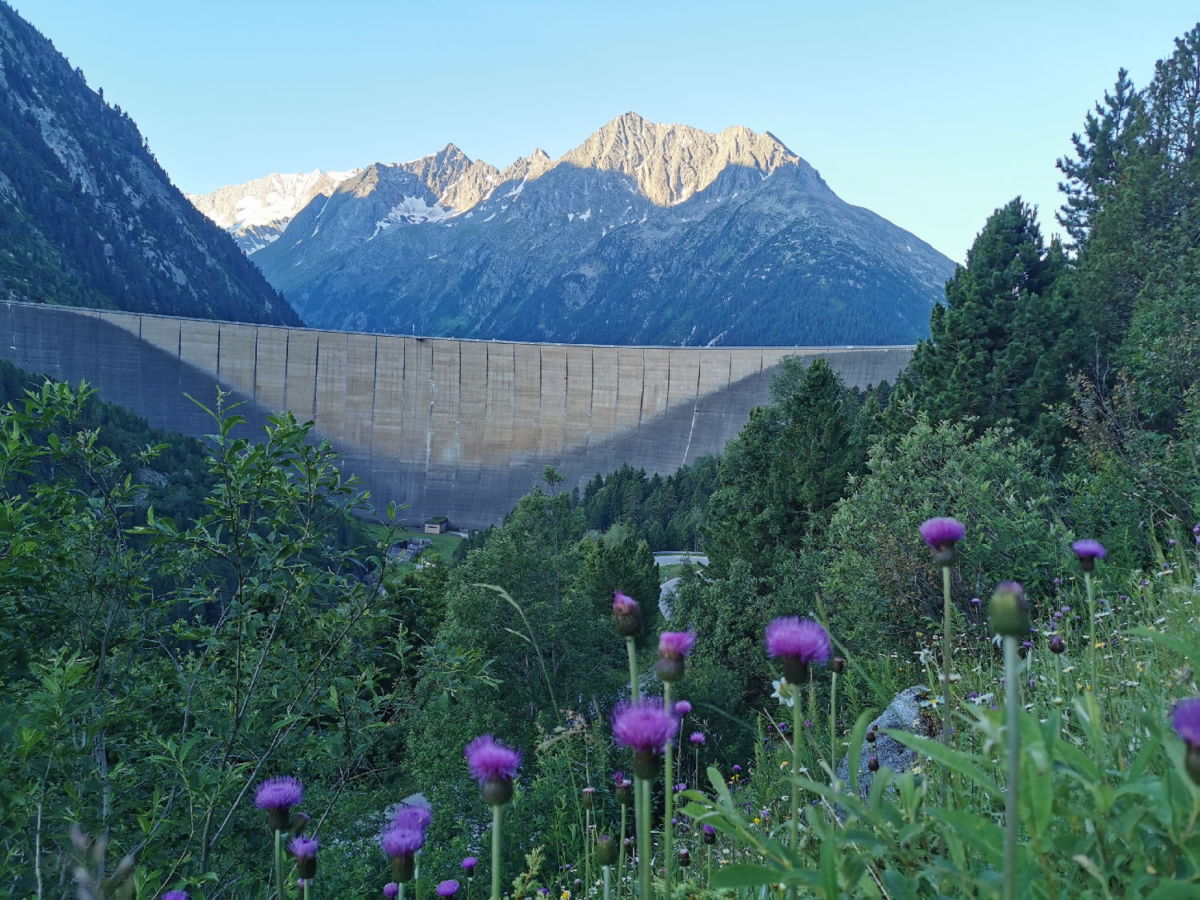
{"points": [[644, 233], [256, 212], [89, 218]]}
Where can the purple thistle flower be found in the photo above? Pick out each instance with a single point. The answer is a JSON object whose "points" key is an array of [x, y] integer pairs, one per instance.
{"points": [[682, 786], [469, 863], [643, 727], [447, 888], [493, 765], [975, 601], [303, 847], [627, 615], [392, 889], [277, 796], [646, 728], [676, 643], [737, 768], [488, 759], [1089, 549], [1185, 719], [175, 895], [682, 708], [279, 793], [413, 815], [697, 737], [942, 532], [673, 646], [798, 642], [401, 841]]}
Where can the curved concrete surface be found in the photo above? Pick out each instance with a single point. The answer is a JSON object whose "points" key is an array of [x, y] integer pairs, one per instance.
{"points": [[449, 427]]}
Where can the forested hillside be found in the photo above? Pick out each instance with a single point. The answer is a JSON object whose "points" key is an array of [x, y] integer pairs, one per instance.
{"points": [[87, 215]]}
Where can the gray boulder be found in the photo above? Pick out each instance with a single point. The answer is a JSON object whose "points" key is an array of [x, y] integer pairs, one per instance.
{"points": [[905, 713]]}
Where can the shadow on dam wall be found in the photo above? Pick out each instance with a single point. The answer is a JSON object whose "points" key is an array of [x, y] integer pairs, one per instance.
{"points": [[447, 427]]}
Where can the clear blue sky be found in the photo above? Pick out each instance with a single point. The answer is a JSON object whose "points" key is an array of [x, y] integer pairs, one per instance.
{"points": [[931, 114]]}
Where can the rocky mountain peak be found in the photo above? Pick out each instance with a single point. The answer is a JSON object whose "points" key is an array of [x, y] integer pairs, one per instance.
{"points": [[457, 181], [269, 201], [526, 168], [672, 163]]}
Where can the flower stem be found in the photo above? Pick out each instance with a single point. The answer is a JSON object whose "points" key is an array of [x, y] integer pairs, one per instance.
{"points": [[1091, 598], [495, 852], [621, 851], [587, 847], [631, 649], [668, 798], [1012, 709], [796, 725], [403, 885], [306, 881], [279, 862], [607, 881], [833, 750], [947, 653], [642, 788]]}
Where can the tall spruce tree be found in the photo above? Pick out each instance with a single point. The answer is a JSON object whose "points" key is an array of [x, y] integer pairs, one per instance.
{"points": [[1008, 334], [780, 477]]}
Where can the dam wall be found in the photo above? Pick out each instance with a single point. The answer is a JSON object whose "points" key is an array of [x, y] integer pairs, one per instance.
{"points": [[448, 427]]}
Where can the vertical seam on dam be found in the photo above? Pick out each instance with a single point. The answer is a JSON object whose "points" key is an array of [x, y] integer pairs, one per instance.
{"points": [[695, 413], [374, 388], [316, 374], [433, 387], [642, 401], [254, 374], [587, 439], [287, 355]]}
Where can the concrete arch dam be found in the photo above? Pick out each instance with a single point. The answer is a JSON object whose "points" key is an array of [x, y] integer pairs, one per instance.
{"points": [[450, 427]]}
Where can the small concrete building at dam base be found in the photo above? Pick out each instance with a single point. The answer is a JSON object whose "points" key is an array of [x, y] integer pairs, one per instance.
{"points": [[454, 428]]}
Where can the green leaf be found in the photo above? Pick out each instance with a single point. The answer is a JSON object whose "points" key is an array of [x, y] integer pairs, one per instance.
{"points": [[955, 760], [741, 875]]}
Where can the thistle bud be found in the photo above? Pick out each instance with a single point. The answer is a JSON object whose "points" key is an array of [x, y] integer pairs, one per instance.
{"points": [[710, 834], [402, 868], [838, 664], [1191, 762], [871, 736], [1057, 645], [607, 850], [624, 791], [669, 668], [646, 764], [685, 858], [497, 791], [873, 763], [589, 797], [1009, 610], [627, 615]]}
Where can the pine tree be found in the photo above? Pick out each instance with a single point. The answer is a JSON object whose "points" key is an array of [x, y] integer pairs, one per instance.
{"points": [[1008, 334], [1099, 155]]}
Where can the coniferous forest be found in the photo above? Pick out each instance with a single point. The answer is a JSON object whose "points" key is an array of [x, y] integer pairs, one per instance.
{"points": [[946, 643]]}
